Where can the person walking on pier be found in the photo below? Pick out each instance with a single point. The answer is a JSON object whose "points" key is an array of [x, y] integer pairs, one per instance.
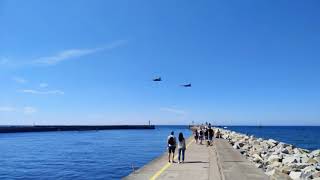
{"points": [[196, 135], [206, 134], [181, 148], [218, 134], [211, 134], [171, 146], [200, 135]]}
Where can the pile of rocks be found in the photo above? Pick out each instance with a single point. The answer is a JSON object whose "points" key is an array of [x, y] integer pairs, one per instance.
{"points": [[278, 160]]}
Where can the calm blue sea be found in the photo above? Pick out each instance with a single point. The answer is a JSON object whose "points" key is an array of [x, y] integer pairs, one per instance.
{"points": [[81, 155], [109, 154], [307, 137]]}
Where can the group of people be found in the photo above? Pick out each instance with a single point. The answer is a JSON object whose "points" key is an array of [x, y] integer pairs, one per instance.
{"points": [[202, 133], [205, 133]]}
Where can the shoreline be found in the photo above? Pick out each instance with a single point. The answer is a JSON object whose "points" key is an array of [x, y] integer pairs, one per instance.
{"points": [[277, 159]]}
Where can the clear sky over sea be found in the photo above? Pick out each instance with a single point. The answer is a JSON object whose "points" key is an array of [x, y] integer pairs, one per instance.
{"points": [[91, 62]]}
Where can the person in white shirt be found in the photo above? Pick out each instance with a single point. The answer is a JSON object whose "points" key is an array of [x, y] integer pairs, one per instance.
{"points": [[181, 148]]}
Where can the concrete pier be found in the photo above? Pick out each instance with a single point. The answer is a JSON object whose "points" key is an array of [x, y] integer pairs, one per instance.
{"points": [[16, 129], [217, 162]]}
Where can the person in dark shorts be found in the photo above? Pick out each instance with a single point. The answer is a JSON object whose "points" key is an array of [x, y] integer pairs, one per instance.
{"points": [[171, 146], [200, 136], [206, 134], [196, 135], [211, 134]]}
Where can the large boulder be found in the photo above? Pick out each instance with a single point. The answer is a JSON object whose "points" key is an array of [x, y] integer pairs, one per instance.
{"points": [[308, 169], [246, 138], [242, 151], [300, 151], [257, 147], [257, 158], [312, 161], [270, 172], [258, 165], [271, 143], [316, 175], [317, 159], [265, 155], [304, 159], [289, 160], [274, 158], [295, 175], [241, 144], [285, 169], [315, 153], [290, 149], [259, 139], [275, 164], [283, 145], [307, 172], [246, 147], [236, 146], [298, 166], [254, 142], [284, 150], [276, 175]]}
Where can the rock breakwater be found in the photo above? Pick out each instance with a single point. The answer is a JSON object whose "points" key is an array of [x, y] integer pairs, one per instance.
{"points": [[277, 159]]}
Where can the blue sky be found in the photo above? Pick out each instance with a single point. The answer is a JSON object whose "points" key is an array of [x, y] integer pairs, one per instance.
{"points": [[91, 62]]}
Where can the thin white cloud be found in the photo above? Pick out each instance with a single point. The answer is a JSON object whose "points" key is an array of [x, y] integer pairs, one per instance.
{"points": [[20, 80], [29, 110], [7, 109], [31, 91], [173, 110], [24, 110], [43, 85], [74, 53]]}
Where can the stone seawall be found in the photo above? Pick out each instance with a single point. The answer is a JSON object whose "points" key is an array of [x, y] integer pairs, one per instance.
{"points": [[278, 160]]}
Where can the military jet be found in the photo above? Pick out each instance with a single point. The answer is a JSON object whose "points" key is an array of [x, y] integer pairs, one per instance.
{"points": [[157, 79], [186, 85]]}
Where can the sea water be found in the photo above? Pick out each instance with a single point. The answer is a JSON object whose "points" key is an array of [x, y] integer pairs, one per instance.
{"points": [[307, 137], [109, 154]]}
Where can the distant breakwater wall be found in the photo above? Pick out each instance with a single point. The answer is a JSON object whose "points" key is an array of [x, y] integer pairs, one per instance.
{"points": [[277, 159], [46, 128]]}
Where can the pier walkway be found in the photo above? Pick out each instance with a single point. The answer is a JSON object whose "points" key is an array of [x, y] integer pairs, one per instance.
{"points": [[217, 162]]}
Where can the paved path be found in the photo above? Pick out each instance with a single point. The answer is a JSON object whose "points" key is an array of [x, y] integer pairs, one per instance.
{"points": [[234, 166], [217, 162]]}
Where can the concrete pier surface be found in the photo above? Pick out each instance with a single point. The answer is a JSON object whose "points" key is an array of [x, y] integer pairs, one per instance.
{"points": [[217, 162], [46, 128]]}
